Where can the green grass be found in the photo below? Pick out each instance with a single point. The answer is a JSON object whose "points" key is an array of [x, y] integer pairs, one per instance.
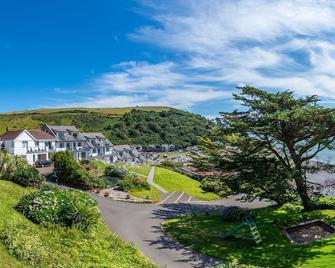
{"points": [[174, 181], [200, 233], [140, 169], [153, 194], [101, 167], [65, 247]]}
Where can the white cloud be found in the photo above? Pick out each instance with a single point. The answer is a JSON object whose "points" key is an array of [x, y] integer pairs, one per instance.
{"points": [[219, 44], [254, 42]]}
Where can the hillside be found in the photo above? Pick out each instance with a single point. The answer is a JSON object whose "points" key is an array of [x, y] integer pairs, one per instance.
{"points": [[140, 125]]}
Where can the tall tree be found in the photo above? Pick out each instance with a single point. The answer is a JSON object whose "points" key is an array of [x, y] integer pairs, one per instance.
{"points": [[268, 143]]}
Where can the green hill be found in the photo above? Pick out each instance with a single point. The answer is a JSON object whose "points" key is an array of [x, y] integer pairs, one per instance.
{"points": [[132, 125]]}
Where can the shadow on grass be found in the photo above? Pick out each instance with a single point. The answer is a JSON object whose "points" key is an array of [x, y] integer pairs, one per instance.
{"points": [[201, 232]]}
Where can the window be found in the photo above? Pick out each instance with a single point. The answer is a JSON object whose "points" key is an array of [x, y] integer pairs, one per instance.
{"points": [[79, 144], [61, 145], [94, 150], [107, 149], [61, 135], [68, 146], [25, 144], [37, 143]]}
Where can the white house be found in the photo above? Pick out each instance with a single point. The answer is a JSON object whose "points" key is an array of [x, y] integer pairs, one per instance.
{"points": [[84, 146], [32, 145]]}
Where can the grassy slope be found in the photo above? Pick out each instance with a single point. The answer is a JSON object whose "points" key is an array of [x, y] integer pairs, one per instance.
{"points": [[143, 125], [29, 119], [174, 181], [201, 232], [9, 195], [152, 194], [141, 169], [100, 249]]}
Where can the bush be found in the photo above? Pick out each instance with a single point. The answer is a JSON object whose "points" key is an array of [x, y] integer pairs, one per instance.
{"points": [[133, 182], [215, 186], [292, 208], [95, 168], [63, 207], [233, 213], [28, 177], [115, 171], [324, 203], [9, 164], [68, 171]]}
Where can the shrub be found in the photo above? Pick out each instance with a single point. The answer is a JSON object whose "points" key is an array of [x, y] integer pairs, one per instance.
{"points": [[132, 182], [9, 164], [324, 203], [233, 213], [28, 176], [293, 207], [68, 171], [63, 207], [215, 186], [64, 164], [115, 171]]}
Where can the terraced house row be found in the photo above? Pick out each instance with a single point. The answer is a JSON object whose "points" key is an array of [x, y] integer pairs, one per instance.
{"points": [[34, 145]]}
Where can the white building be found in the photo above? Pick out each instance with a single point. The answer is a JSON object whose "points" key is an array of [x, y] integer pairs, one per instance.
{"points": [[32, 145], [84, 146]]}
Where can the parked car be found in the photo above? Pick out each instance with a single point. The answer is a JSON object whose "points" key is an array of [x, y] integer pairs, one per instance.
{"points": [[42, 163]]}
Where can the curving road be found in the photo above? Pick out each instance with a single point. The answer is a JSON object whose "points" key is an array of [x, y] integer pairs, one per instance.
{"points": [[141, 224]]}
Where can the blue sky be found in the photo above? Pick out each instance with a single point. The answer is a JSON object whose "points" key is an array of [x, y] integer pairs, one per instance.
{"points": [[189, 54]]}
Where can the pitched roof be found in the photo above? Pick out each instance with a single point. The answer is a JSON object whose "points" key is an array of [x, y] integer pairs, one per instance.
{"points": [[64, 128], [36, 134], [11, 135], [41, 135]]}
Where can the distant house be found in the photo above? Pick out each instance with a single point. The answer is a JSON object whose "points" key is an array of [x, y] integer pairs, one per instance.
{"points": [[32, 145], [127, 154], [159, 148], [84, 146]]}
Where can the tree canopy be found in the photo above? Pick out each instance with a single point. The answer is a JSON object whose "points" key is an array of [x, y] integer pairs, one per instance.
{"points": [[267, 144]]}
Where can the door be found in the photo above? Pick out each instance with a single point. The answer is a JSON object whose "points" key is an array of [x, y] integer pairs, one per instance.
{"points": [[42, 157]]}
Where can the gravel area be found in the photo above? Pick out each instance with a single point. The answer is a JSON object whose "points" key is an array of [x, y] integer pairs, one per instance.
{"points": [[309, 232]]}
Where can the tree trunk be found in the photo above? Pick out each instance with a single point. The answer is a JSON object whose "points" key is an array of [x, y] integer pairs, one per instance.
{"points": [[303, 192]]}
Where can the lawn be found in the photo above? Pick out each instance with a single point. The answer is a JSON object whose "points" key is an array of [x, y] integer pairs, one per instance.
{"points": [[153, 194], [200, 232], [63, 247], [141, 169], [174, 181]]}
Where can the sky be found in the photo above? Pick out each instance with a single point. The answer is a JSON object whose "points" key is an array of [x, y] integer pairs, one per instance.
{"points": [[187, 54]]}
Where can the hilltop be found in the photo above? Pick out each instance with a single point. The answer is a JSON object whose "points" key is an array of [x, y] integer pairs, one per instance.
{"points": [[130, 125]]}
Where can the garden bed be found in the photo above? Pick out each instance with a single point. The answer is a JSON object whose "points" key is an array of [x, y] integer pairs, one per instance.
{"points": [[309, 232]]}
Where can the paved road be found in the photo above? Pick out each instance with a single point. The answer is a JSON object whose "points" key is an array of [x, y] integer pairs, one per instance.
{"points": [[141, 224]]}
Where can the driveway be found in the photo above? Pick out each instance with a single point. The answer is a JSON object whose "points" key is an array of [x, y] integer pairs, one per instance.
{"points": [[141, 224]]}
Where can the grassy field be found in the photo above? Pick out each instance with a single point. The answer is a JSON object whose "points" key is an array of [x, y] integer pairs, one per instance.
{"points": [[152, 194], [140, 169], [174, 181], [200, 233], [63, 247]]}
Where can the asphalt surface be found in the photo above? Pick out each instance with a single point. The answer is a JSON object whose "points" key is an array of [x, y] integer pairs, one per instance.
{"points": [[141, 224]]}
